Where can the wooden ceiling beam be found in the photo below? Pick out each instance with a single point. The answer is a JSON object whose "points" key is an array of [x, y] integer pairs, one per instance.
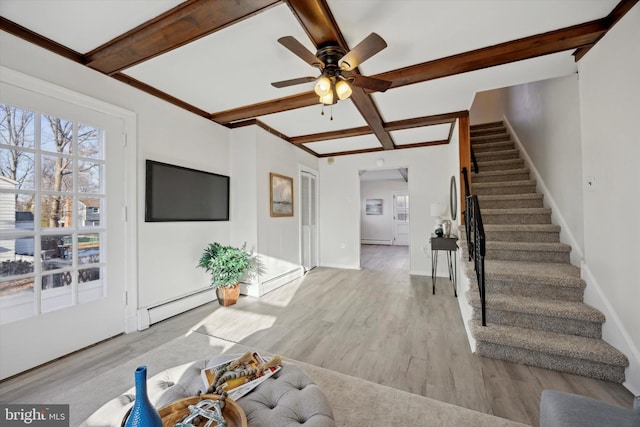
{"points": [[343, 133], [437, 119], [500, 54], [183, 24], [268, 107]]}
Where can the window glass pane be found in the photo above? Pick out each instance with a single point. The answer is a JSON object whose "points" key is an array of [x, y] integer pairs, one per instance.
{"points": [[17, 169], [16, 256], [56, 291], [89, 248], [56, 135], [89, 285], [89, 177], [57, 173], [55, 252], [56, 211], [16, 126], [89, 210], [14, 286], [16, 211], [90, 142]]}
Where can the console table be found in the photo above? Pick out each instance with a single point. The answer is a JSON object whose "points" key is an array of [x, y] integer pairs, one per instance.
{"points": [[448, 244]]}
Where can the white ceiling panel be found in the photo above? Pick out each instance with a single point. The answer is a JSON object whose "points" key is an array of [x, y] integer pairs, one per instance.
{"points": [[83, 25], [310, 120], [345, 144], [421, 134], [234, 66]]}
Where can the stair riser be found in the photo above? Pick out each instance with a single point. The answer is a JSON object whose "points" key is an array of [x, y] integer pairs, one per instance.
{"points": [[529, 256], [497, 191], [523, 236], [533, 218], [489, 125], [516, 176], [493, 166], [582, 367], [492, 146], [498, 130], [510, 204], [496, 155], [542, 323]]}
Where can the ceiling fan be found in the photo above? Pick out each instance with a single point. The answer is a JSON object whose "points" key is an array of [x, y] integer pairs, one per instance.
{"points": [[336, 67]]}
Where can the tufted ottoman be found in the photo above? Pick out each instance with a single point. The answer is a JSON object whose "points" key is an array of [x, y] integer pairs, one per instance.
{"points": [[288, 398]]}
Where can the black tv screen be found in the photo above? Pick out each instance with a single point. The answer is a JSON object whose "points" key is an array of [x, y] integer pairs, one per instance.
{"points": [[176, 193]]}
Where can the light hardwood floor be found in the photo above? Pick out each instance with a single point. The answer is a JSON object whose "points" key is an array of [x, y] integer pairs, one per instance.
{"points": [[378, 323]]}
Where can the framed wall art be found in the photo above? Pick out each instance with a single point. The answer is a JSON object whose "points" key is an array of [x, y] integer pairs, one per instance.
{"points": [[374, 207], [281, 195]]}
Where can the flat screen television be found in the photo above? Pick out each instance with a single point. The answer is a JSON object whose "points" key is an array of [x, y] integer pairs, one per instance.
{"points": [[176, 193]]}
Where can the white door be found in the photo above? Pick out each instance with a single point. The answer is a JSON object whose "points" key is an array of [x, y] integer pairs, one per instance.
{"points": [[308, 219], [68, 236], [401, 219]]}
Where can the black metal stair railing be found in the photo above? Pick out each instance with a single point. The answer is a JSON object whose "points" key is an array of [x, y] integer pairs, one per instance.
{"points": [[476, 242]]}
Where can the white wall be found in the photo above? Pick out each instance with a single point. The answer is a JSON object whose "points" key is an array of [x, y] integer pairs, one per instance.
{"points": [[379, 228], [488, 106], [429, 173], [545, 116], [276, 241], [610, 110]]}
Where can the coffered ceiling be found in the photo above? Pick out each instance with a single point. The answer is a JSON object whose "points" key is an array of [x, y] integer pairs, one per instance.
{"points": [[217, 58]]}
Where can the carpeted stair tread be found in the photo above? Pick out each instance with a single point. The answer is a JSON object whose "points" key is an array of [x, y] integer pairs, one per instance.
{"points": [[492, 146], [477, 126], [503, 175], [486, 165], [542, 307], [544, 228], [529, 246], [490, 154], [480, 185], [503, 197], [554, 274], [573, 346], [515, 211]]}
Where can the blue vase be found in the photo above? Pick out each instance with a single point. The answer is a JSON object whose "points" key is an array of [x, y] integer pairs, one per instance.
{"points": [[143, 413]]}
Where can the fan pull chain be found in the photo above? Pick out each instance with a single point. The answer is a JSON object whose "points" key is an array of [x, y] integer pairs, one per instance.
{"points": [[331, 112], [322, 112]]}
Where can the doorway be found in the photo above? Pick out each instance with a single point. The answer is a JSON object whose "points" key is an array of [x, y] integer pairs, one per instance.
{"points": [[308, 219]]}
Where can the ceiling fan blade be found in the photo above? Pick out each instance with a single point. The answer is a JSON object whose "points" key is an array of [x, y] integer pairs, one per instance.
{"points": [[370, 83], [296, 47], [368, 47], [293, 82]]}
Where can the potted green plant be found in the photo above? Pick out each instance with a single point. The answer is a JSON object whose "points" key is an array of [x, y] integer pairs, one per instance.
{"points": [[227, 264]]}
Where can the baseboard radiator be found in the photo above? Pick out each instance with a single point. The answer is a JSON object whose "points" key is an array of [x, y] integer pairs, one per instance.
{"points": [[149, 315], [376, 242]]}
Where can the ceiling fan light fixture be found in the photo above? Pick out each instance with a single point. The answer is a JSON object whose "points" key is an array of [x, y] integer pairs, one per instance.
{"points": [[343, 90], [323, 86], [327, 99]]}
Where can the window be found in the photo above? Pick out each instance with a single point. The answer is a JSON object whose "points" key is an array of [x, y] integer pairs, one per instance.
{"points": [[52, 231]]}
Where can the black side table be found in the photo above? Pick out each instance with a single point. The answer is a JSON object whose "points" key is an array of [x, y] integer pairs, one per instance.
{"points": [[450, 245]]}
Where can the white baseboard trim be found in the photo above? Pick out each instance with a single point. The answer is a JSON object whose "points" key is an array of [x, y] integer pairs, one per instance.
{"points": [[376, 242], [147, 316], [566, 236], [613, 331], [259, 288]]}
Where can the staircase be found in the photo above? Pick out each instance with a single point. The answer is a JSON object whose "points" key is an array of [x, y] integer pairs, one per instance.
{"points": [[534, 296]]}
